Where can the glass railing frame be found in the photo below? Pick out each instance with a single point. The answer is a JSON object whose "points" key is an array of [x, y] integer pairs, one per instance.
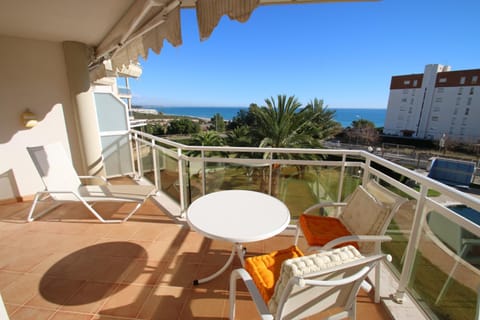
{"points": [[423, 201]]}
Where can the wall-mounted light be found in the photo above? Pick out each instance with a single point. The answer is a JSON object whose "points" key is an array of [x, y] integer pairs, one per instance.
{"points": [[29, 119]]}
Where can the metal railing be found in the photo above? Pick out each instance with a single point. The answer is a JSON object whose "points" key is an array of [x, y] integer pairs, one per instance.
{"points": [[436, 259]]}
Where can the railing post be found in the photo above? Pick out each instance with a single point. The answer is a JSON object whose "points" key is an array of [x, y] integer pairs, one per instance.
{"points": [[270, 175], [204, 174], [132, 137], [477, 313], [366, 171], [139, 160], [183, 205], [342, 175], [155, 167], [411, 250]]}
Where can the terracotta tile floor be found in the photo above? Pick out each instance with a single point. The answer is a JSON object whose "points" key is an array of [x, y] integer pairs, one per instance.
{"points": [[67, 265]]}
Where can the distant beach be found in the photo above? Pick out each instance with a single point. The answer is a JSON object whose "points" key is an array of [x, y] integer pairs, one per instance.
{"points": [[344, 116]]}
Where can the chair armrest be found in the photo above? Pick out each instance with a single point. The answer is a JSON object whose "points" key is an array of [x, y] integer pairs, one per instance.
{"points": [[262, 307], [354, 238], [325, 204], [102, 179]]}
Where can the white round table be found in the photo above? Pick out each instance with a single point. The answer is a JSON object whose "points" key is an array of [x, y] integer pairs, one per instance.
{"points": [[237, 216]]}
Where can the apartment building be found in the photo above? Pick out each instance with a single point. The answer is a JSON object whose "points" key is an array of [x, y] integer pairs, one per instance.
{"points": [[437, 102]]}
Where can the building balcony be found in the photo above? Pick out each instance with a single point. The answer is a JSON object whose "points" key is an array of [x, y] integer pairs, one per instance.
{"points": [[67, 265]]}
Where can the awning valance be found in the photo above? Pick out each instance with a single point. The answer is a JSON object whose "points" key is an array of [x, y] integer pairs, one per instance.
{"points": [[147, 23]]}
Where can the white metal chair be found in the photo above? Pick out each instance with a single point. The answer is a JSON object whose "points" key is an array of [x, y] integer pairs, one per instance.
{"points": [[62, 184], [362, 222], [306, 285]]}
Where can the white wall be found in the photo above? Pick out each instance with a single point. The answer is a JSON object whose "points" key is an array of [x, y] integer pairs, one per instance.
{"points": [[33, 76]]}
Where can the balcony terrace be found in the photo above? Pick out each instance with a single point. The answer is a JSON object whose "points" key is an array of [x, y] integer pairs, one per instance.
{"points": [[68, 266]]}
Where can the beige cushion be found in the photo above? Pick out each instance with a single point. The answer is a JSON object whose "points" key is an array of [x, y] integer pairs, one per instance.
{"points": [[303, 266], [364, 215], [382, 194]]}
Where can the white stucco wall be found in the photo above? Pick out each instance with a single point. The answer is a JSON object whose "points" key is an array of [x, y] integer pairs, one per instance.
{"points": [[33, 76]]}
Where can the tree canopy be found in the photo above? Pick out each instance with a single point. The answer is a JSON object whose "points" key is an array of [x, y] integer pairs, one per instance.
{"points": [[183, 126], [282, 123]]}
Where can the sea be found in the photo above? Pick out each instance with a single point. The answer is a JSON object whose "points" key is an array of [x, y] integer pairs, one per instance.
{"points": [[344, 116]]}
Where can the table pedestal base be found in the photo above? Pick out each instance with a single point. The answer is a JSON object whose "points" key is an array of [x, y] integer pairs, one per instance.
{"points": [[236, 248]]}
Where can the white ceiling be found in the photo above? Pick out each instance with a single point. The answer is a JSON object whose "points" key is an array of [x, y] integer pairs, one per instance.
{"points": [[86, 21]]}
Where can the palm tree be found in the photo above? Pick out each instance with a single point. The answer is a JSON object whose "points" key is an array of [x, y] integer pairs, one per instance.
{"points": [[324, 119], [240, 137], [284, 124], [207, 138]]}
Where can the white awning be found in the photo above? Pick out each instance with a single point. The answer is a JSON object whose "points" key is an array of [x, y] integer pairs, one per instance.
{"points": [[147, 23]]}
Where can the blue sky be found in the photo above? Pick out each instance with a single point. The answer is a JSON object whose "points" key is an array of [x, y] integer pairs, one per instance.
{"points": [[343, 53]]}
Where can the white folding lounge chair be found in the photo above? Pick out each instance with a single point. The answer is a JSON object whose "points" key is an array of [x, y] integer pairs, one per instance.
{"points": [[305, 285], [62, 184]]}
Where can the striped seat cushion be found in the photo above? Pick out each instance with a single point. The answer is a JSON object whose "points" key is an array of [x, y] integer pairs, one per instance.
{"points": [[265, 269], [307, 265]]}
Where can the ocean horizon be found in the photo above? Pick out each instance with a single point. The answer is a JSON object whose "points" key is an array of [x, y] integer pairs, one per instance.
{"points": [[344, 116]]}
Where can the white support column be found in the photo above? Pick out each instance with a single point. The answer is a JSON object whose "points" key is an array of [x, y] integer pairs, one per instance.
{"points": [[85, 114]]}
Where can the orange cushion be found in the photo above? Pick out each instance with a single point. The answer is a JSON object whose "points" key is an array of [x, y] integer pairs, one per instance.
{"points": [[319, 230], [265, 269]]}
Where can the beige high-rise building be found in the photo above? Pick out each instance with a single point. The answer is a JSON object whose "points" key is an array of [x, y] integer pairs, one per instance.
{"points": [[437, 102]]}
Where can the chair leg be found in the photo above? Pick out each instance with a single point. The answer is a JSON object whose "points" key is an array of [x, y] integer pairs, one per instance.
{"points": [[377, 283], [30, 217], [232, 292], [97, 215], [297, 234], [133, 211]]}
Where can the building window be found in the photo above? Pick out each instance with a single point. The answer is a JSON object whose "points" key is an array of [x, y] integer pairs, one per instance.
{"points": [[435, 118], [406, 82], [440, 90], [410, 110], [442, 80], [453, 121], [405, 91], [474, 79], [457, 103], [455, 111], [462, 80], [469, 101], [438, 99], [404, 99], [471, 91], [467, 111], [412, 100], [464, 121], [436, 109], [415, 82], [460, 91]]}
